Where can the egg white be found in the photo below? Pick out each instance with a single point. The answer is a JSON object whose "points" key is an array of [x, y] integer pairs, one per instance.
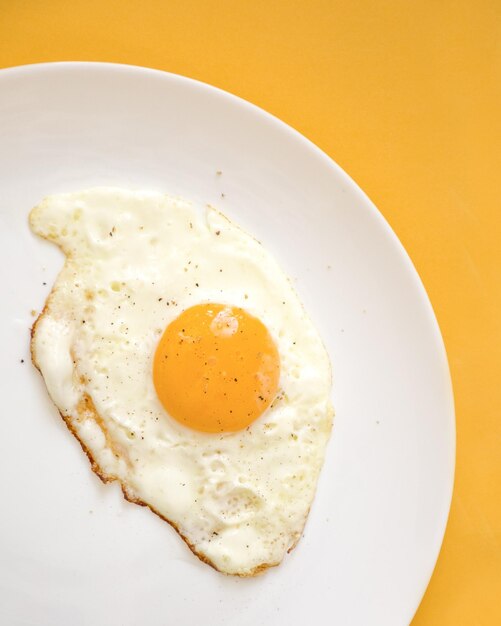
{"points": [[134, 261]]}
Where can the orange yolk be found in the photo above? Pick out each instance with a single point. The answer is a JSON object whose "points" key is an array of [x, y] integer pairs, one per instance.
{"points": [[216, 368]]}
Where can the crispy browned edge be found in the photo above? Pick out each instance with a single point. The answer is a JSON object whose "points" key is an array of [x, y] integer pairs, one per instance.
{"points": [[105, 478]]}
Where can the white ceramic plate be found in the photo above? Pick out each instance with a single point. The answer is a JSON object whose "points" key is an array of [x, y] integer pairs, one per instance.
{"points": [[72, 550]]}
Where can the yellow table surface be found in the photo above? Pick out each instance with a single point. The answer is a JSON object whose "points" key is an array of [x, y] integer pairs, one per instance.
{"points": [[406, 97]]}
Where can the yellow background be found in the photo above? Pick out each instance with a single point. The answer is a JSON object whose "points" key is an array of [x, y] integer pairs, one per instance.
{"points": [[406, 97]]}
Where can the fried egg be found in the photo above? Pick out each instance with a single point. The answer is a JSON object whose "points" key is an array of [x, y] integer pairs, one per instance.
{"points": [[180, 356]]}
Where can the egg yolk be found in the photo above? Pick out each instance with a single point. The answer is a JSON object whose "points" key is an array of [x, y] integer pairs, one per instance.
{"points": [[216, 368]]}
